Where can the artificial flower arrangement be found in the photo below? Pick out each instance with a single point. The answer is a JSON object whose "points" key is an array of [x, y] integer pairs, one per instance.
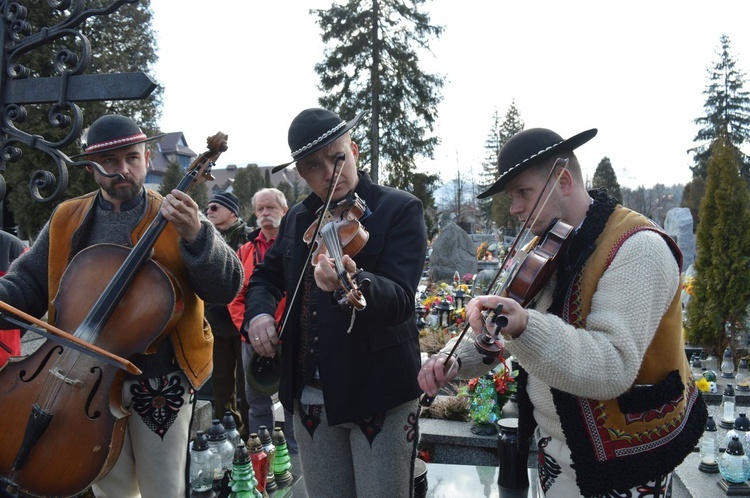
{"points": [[488, 394]]}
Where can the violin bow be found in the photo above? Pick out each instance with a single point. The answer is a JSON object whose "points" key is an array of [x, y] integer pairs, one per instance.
{"points": [[68, 340], [334, 180]]}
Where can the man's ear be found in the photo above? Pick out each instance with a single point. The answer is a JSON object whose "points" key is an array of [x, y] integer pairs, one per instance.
{"points": [[565, 180], [355, 150], [89, 168]]}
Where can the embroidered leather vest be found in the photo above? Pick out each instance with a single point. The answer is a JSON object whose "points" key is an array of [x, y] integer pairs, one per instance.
{"points": [[191, 336], [647, 431]]}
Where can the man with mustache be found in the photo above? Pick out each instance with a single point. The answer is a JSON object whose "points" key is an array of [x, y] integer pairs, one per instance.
{"points": [[154, 456], [269, 206], [349, 375]]}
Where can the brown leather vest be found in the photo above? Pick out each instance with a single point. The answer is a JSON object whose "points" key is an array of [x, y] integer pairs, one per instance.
{"points": [[191, 336]]}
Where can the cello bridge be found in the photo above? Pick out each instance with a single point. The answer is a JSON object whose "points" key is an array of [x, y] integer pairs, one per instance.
{"points": [[71, 382]]}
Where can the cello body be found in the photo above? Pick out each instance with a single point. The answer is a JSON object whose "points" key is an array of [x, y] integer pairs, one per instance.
{"points": [[81, 398]]}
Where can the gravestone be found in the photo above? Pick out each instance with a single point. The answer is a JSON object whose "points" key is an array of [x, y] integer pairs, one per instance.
{"points": [[679, 225], [453, 251]]}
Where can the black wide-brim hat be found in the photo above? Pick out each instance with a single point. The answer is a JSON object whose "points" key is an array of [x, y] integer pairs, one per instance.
{"points": [[312, 130], [529, 147], [110, 132]]}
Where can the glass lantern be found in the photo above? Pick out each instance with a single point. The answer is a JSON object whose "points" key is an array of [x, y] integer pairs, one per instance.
{"points": [[419, 310], [734, 465], [709, 448], [204, 464], [459, 296], [726, 409], [218, 442], [711, 362], [433, 320], [740, 429], [446, 312], [727, 365], [742, 380], [696, 367], [233, 435]]}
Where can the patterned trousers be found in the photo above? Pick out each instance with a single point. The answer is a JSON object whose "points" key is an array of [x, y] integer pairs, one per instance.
{"points": [[154, 458], [557, 479], [373, 457]]}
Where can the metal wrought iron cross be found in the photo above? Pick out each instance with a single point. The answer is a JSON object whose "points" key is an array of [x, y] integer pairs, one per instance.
{"points": [[61, 92]]}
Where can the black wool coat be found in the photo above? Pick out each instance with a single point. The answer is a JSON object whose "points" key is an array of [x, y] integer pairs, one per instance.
{"points": [[374, 367]]}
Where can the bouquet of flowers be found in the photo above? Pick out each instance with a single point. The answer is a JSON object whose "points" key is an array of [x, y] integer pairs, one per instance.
{"points": [[488, 394]]}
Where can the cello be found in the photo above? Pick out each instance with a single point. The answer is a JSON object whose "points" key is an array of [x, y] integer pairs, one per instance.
{"points": [[63, 422]]}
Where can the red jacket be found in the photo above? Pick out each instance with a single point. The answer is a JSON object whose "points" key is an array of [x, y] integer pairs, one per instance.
{"points": [[10, 340], [251, 253]]}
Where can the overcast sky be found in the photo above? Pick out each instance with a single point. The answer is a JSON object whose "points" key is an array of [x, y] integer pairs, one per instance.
{"points": [[635, 70]]}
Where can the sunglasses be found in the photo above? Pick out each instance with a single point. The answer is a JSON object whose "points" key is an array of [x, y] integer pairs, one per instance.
{"points": [[212, 207]]}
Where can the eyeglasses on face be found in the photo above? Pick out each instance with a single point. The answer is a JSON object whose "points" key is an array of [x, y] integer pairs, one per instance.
{"points": [[212, 208]]}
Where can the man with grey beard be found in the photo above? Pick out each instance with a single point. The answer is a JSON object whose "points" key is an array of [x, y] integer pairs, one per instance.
{"points": [[269, 206]]}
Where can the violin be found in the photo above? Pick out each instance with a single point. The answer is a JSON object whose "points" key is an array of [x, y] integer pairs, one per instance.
{"points": [[521, 276], [335, 232], [527, 278], [63, 422], [341, 234]]}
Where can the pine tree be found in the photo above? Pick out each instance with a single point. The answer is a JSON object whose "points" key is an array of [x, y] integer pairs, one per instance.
{"points": [[497, 208], [692, 194], [423, 186], [727, 110], [247, 181], [721, 288], [171, 178], [288, 192], [371, 64], [605, 176]]}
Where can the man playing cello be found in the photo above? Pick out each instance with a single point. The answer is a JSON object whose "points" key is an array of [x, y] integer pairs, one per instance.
{"points": [[153, 459]]}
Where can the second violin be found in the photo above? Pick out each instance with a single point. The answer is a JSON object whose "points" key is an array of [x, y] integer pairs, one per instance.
{"points": [[341, 234]]}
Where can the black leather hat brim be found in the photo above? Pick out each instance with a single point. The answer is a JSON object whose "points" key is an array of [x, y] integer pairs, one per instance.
{"points": [[330, 139], [566, 145]]}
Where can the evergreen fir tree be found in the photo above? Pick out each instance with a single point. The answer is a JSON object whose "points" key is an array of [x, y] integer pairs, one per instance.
{"points": [[727, 109], [497, 207], [247, 181], [171, 178], [721, 287], [605, 176], [288, 192], [371, 64]]}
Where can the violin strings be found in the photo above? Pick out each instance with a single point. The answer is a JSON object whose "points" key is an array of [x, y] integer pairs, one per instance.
{"points": [[334, 249], [329, 196]]}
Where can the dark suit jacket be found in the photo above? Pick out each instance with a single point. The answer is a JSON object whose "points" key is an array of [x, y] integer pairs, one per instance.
{"points": [[374, 367]]}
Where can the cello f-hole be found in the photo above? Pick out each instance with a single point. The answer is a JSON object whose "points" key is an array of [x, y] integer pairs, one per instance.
{"points": [[41, 366], [98, 372]]}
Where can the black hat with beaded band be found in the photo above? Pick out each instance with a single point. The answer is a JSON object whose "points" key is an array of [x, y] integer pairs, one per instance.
{"points": [[312, 130], [110, 132], [529, 147]]}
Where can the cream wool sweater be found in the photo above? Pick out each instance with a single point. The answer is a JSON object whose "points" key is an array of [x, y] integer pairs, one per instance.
{"points": [[601, 361]]}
